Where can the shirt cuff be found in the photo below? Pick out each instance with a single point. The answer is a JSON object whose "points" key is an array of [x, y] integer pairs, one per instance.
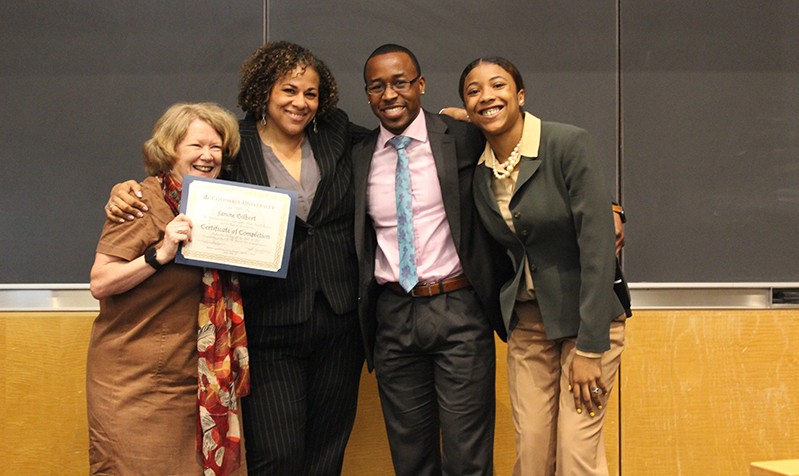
{"points": [[590, 355]]}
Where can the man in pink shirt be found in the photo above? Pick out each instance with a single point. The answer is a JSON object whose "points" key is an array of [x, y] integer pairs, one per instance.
{"points": [[431, 344]]}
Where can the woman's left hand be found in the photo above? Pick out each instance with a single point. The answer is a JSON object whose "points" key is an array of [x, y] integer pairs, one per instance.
{"points": [[585, 382]]}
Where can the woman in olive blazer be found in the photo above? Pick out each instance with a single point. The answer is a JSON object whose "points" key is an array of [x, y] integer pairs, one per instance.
{"points": [[541, 195]]}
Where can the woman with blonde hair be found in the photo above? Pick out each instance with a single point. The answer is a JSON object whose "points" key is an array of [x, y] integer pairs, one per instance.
{"points": [[159, 401], [305, 342]]}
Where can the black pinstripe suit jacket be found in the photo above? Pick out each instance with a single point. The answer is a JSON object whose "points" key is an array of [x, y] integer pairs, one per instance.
{"points": [[456, 147], [322, 255]]}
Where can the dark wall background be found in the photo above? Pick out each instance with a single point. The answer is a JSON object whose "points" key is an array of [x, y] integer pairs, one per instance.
{"points": [[710, 170], [693, 108], [81, 85]]}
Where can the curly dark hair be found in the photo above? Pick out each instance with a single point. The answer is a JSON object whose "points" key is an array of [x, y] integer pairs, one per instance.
{"points": [[273, 61]]}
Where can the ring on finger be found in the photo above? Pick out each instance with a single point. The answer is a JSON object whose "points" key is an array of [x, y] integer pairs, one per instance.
{"points": [[596, 390]]}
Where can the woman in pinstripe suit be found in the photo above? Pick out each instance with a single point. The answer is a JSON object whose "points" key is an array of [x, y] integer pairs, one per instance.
{"points": [[306, 352]]}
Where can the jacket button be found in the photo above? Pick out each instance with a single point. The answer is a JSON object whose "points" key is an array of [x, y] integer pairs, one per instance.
{"points": [[532, 267], [517, 214], [524, 233]]}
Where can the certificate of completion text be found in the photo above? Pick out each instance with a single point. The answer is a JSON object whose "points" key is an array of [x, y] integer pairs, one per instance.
{"points": [[238, 227]]}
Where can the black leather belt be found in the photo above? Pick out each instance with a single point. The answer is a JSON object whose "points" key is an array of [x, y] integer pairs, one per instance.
{"points": [[432, 289]]}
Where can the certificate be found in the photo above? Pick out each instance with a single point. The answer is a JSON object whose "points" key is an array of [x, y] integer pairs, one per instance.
{"points": [[238, 227]]}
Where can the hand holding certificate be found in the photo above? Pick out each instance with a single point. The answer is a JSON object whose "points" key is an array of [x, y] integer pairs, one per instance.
{"points": [[238, 227]]}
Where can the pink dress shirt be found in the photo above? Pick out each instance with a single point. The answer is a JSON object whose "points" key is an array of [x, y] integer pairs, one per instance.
{"points": [[436, 257]]}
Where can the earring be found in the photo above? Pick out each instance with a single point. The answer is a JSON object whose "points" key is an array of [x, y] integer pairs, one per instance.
{"points": [[314, 125], [263, 120]]}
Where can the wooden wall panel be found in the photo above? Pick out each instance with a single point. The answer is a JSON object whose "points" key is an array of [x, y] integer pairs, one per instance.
{"points": [[708, 392], [43, 419], [702, 392]]}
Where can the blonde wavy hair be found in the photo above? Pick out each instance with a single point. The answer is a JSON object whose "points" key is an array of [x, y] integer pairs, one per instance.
{"points": [[159, 151]]}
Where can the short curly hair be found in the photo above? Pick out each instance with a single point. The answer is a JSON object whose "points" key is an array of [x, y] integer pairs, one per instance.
{"points": [[273, 61], [160, 150]]}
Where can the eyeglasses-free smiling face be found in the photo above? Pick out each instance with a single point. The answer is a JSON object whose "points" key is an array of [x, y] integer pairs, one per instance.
{"points": [[293, 102], [394, 88], [199, 152], [491, 99]]}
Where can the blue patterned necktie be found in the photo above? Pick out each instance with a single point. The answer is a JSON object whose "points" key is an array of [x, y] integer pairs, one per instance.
{"points": [[405, 240]]}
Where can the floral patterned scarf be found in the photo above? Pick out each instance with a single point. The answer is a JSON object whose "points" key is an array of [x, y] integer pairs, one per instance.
{"points": [[223, 363]]}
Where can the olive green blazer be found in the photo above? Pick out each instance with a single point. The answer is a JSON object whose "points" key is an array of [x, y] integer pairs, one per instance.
{"points": [[564, 227]]}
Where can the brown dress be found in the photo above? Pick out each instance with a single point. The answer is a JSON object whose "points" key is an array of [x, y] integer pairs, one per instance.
{"points": [[141, 374]]}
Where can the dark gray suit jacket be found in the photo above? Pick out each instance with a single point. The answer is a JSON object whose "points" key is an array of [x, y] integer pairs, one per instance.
{"points": [[456, 147], [564, 226]]}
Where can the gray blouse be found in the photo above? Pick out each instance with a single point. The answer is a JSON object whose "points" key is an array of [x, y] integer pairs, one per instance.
{"points": [[279, 177]]}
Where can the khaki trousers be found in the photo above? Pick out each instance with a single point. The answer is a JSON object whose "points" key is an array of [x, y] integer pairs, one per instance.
{"points": [[550, 433]]}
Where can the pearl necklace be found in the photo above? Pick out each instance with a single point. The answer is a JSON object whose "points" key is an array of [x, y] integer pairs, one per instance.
{"points": [[503, 170]]}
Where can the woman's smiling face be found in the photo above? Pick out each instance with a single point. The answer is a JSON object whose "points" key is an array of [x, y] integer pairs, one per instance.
{"points": [[199, 152], [293, 101], [491, 98]]}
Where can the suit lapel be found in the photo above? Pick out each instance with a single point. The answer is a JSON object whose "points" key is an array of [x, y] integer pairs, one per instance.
{"points": [[251, 157], [326, 151], [446, 159], [486, 201], [527, 168], [484, 195]]}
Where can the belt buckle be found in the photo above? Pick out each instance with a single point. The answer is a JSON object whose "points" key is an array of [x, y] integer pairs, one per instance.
{"points": [[422, 290]]}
